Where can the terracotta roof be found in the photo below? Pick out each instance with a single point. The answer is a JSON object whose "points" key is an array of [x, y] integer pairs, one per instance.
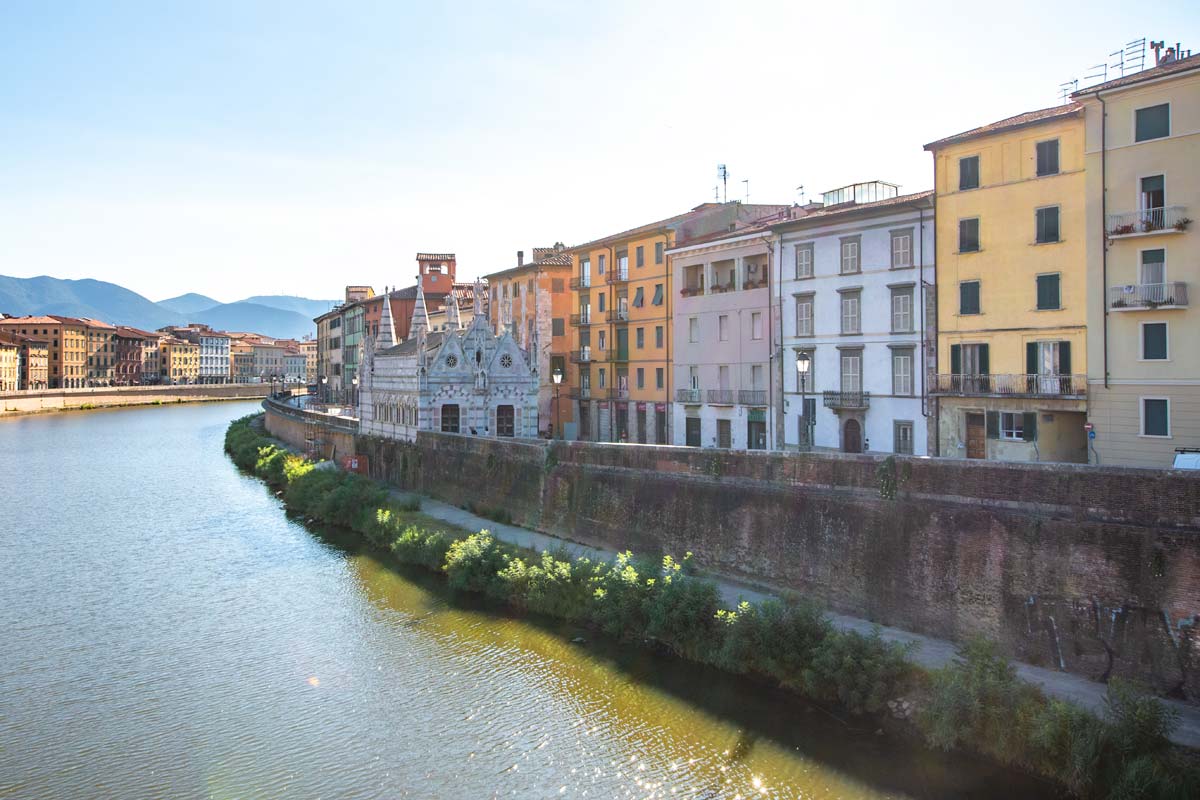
{"points": [[41, 319], [435, 257], [824, 214], [1170, 68], [12, 337], [95, 323], [126, 332], [1011, 123], [69, 320]]}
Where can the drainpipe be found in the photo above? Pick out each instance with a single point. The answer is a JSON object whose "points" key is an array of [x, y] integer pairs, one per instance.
{"points": [[668, 323], [780, 417], [612, 342], [1103, 225]]}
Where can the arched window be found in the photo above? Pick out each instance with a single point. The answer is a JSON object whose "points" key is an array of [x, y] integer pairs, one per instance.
{"points": [[450, 418], [505, 419]]}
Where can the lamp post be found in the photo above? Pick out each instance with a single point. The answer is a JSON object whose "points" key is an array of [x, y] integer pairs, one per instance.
{"points": [[557, 377], [354, 399], [324, 383], [803, 364]]}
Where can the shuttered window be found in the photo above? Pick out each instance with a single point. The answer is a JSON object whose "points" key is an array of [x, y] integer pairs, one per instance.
{"points": [[1047, 224], [1048, 292], [1153, 122], [1154, 341], [968, 297], [968, 173], [968, 235], [1047, 157]]}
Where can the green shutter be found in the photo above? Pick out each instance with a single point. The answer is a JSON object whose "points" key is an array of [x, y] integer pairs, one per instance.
{"points": [[993, 424], [1031, 358], [985, 368], [956, 359], [1064, 358], [1029, 426]]}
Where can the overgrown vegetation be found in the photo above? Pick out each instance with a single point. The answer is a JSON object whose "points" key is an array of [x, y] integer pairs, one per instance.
{"points": [[976, 703]]}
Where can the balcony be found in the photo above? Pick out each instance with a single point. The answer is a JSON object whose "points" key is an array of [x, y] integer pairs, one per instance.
{"points": [[721, 397], [721, 288], [581, 282], [691, 291], [617, 354], [618, 315], [752, 397], [581, 319], [1142, 296], [1148, 222], [618, 276], [1063, 386], [687, 395], [580, 393], [847, 400], [617, 393], [761, 283], [583, 356]]}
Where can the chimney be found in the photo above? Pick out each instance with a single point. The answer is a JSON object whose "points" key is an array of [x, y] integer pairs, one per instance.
{"points": [[520, 258]]}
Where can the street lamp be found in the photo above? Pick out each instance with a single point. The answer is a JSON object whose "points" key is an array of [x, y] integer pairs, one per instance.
{"points": [[354, 399], [557, 377], [803, 364], [324, 382]]}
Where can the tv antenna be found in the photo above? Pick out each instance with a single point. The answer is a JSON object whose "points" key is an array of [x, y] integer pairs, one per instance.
{"points": [[1066, 89], [717, 194], [723, 177], [747, 182], [800, 189]]}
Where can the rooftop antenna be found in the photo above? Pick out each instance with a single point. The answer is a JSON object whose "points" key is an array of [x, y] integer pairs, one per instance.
{"points": [[800, 189], [723, 177], [1134, 57], [1066, 89], [747, 182], [717, 194]]}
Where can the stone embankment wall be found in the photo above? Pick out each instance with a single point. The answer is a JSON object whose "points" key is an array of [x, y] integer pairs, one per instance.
{"points": [[102, 397], [1091, 570], [312, 433]]}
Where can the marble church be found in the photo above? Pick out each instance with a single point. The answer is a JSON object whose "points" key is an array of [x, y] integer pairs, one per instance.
{"points": [[464, 380]]}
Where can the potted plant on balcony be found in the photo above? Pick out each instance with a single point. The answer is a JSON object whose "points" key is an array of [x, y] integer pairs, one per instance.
{"points": [[1182, 223], [1121, 230], [1150, 223]]}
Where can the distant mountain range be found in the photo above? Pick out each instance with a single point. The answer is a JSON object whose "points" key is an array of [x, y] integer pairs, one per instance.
{"points": [[280, 316]]}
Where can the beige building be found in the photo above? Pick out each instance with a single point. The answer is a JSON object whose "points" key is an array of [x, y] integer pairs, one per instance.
{"points": [[309, 348], [179, 361], [1143, 193], [66, 342], [10, 367]]}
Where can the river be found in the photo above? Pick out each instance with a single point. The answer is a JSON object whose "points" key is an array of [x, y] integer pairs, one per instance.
{"points": [[167, 631]]}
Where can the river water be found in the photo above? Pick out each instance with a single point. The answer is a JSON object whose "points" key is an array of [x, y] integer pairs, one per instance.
{"points": [[166, 631]]}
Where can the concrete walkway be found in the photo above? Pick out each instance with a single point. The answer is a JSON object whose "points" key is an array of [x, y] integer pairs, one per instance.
{"points": [[929, 652]]}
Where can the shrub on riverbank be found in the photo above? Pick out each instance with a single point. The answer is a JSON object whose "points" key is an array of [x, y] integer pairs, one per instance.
{"points": [[977, 703]]}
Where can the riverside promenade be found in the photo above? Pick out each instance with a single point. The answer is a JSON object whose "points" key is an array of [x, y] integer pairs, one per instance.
{"points": [[48, 400]]}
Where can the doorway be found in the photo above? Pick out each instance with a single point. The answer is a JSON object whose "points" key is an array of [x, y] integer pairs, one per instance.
{"points": [[976, 436], [852, 437]]}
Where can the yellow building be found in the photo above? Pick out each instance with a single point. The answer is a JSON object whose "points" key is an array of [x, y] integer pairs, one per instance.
{"points": [[10, 366], [101, 352], [179, 360], [1011, 288], [1143, 193], [621, 323]]}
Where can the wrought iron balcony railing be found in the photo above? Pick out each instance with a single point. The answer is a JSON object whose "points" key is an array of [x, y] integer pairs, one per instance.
{"points": [[618, 315], [687, 395], [839, 398], [581, 319], [581, 282], [752, 397], [721, 397], [1067, 386], [618, 393], [580, 393], [1168, 219], [583, 356], [618, 276], [1147, 295]]}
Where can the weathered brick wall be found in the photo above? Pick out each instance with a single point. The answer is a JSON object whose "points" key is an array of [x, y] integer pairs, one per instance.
{"points": [[1095, 571]]}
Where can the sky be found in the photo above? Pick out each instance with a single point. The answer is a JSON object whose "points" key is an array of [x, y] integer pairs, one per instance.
{"points": [[241, 148]]}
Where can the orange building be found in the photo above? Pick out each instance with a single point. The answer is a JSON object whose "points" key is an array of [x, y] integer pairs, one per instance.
{"points": [[66, 340], [535, 299]]}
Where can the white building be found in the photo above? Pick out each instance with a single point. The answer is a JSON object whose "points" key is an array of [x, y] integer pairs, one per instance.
{"points": [[855, 291], [460, 380]]}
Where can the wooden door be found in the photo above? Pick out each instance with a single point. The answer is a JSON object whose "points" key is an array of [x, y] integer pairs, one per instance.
{"points": [[976, 436], [852, 437]]}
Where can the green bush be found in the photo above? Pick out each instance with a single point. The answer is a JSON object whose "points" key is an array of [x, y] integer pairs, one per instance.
{"points": [[472, 564], [859, 672], [681, 611], [423, 548], [619, 595], [551, 585]]}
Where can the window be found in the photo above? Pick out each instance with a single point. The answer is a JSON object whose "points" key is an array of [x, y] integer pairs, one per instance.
{"points": [[902, 437], [1048, 292], [724, 434], [1156, 416], [804, 315], [558, 327], [640, 337], [658, 336], [450, 419], [756, 376], [1153, 269], [968, 235], [902, 309], [968, 297], [850, 254], [603, 377], [658, 295], [1154, 341], [1047, 157], [639, 299], [658, 252], [641, 378], [505, 420], [694, 377], [852, 371], [1153, 195], [851, 307], [804, 260], [601, 339], [622, 263], [1047, 224], [723, 328], [969, 359], [968, 173], [723, 376], [693, 329], [603, 299], [756, 328], [902, 249], [585, 271], [1012, 426], [557, 286], [600, 263], [1152, 123], [658, 377], [641, 256], [902, 372]]}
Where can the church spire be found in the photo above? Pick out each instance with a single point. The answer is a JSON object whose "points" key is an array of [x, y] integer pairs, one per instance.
{"points": [[420, 316], [387, 331], [454, 315], [478, 308]]}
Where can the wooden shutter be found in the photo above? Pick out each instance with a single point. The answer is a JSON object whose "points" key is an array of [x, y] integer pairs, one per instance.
{"points": [[1031, 358], [984, 365], [993, 424], [1029, 426], [1064, 358], [956, 359]]}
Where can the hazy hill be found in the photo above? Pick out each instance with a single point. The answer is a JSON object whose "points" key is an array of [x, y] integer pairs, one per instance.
{"points": [[188, 303], [82, 298], [301, 305], [258, 318]]}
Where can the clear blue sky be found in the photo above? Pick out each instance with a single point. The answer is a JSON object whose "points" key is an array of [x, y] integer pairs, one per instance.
{"points": [[236, 148]]}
